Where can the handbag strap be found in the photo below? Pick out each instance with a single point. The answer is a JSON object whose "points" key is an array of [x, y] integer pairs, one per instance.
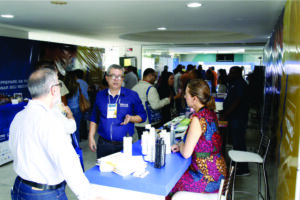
{"points": [[79, 88], [148, 92]]}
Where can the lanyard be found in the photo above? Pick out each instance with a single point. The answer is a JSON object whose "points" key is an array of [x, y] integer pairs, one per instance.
{"points": [[116, 101]]}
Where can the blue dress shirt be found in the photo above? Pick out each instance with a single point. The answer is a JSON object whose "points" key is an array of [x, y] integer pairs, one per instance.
{"points": [[128, 102]]}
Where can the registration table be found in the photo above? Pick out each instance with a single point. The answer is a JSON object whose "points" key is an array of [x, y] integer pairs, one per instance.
{"points": [[155, 186]]}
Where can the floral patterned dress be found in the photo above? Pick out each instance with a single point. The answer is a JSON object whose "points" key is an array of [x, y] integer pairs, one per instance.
{"points": [[208, 166]]}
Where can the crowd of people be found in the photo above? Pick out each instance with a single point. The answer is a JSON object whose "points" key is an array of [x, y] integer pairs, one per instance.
{"points": [[118, 109]]}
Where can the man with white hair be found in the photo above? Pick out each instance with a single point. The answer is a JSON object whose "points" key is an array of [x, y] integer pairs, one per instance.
{"points": [[44, 158]]}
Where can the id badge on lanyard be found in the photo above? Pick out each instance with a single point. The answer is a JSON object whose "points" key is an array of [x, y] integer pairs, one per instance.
{"points": [[112, 110]]}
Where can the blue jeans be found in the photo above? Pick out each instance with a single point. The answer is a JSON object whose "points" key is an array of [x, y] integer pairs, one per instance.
{"points": [[77, 116], [105, 148], [22, 191]]}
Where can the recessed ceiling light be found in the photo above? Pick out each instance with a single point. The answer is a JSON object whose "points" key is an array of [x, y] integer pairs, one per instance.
{"points": [[58, 2], [194, 5], [7, 16], [162, 28]]}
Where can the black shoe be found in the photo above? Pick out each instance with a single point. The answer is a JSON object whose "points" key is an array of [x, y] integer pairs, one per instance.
{"points": [[242, 172]]}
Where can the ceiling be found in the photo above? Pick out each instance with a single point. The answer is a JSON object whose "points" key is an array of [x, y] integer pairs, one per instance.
{"points": [[119, 22]]}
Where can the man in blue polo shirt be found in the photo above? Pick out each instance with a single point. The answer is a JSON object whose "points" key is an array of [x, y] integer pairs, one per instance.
{"points": [[116, 109]]}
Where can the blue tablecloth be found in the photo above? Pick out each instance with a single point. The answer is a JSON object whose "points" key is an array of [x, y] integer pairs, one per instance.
{"points": [[158, 181]]}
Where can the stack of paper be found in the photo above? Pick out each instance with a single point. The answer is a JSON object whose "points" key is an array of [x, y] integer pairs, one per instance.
{"points": [[122, 164]]}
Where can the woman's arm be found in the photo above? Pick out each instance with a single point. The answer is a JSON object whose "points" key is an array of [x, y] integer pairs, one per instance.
{"points": [[186, 149]]}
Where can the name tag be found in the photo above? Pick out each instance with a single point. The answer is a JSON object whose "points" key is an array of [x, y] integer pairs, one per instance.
{"points": [[123, 105], [111, 111]]}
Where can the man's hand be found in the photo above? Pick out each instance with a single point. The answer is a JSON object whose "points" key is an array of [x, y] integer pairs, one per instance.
{"points": [[68, 112], [92, 145], [175, 148], [126, 120]]}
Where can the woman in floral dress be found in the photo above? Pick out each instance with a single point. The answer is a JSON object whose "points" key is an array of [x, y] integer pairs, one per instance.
{"points": [[203, 142]]}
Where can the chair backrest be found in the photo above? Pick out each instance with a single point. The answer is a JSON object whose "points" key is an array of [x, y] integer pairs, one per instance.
{"points": [[225, 185], [264, 146]]}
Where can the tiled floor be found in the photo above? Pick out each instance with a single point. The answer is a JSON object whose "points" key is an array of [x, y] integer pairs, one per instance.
{"points": [[248, 184]]}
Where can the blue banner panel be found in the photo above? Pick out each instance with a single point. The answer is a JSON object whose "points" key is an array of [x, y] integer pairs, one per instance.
{"points": [[18, 57]]}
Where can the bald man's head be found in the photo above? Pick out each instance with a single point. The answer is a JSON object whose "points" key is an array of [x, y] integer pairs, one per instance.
{"points": [[40, 82]]}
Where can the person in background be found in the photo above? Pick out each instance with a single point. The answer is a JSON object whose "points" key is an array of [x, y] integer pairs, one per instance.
{"points": [[215, 82], [166, 68], [235, 111], [202, 142], [186, 77], [135, 71], [209, 77], [201, 72], [44, 159], [73, 99], [104, 83], [115, 111], [85, 116], [130, 79], [194, 75], [166, 90], [177, 84], [178, 89], [222, 81], [149, 77]]}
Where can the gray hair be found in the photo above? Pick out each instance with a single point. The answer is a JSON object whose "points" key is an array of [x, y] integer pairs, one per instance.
{"points": [[114, 66], [41, 81]]}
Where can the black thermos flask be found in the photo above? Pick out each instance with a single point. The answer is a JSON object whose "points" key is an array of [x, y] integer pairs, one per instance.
{"points": [[160, 153]]}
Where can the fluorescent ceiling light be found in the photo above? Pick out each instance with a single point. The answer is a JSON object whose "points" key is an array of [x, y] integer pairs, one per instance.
{"points": [[59, 2], [205, 52], [7, 16], [219, 51], [162, 28], [194, 5], [232, 51]]}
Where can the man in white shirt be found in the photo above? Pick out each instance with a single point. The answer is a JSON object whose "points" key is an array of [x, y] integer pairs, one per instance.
{"points": [[149, 77], [44, 158], [61, 111]]}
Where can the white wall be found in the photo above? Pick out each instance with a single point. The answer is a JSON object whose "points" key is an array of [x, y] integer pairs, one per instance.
{"points": [[136, 52], [112, 55], [147, 63]]}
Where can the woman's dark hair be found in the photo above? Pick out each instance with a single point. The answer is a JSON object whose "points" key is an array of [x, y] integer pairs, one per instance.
{"points": [[222, 77], [165, 78], [71, 83], [201, 90], [79, 73]]}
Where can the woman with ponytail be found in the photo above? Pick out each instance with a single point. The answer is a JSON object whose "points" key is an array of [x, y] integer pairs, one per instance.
{"points": [[203, 142]]}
